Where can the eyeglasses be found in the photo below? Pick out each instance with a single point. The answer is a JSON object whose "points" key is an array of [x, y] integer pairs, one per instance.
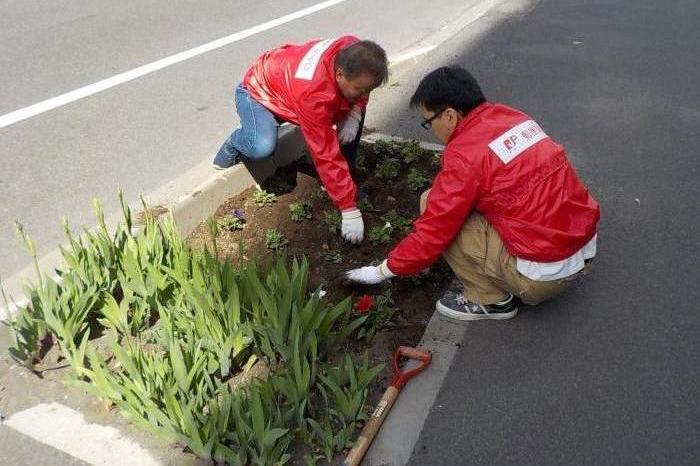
{"points": [[427, 124]]}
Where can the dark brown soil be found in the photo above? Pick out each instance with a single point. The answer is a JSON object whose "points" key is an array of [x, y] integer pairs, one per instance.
{"points": [[414, 297]]}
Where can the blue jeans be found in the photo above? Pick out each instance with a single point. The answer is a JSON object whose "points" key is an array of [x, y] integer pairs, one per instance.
{"points": [[257, 137]]}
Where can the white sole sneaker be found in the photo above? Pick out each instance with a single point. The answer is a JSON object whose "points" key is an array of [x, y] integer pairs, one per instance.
{"points": [[452, 314]]}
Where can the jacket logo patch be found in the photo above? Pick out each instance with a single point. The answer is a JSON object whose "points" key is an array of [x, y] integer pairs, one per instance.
{"points": [[515, 141], [307, 65]]}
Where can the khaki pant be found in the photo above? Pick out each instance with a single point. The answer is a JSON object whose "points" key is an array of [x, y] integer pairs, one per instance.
{"points": [[479, 259]]}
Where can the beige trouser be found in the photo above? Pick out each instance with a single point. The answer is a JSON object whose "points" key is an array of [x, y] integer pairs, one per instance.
{"points": [[479, 259]]}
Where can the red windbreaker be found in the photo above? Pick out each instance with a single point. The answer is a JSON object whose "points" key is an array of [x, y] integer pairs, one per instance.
{"points": [[500, 163], [297, 83]]}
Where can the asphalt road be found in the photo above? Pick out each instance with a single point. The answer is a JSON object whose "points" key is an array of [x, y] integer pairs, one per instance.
{"points": [[608, 372], [143, 133]]}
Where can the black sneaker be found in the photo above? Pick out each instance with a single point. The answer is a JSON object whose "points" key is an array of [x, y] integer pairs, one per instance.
{"points": [[454, 305], [227, 157]]}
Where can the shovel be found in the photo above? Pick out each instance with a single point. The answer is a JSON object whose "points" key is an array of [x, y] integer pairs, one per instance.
{"points": [[398, 381]]}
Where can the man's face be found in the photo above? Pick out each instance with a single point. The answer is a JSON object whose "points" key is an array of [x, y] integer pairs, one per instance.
{"points": [[355, 88], [441, 123]]}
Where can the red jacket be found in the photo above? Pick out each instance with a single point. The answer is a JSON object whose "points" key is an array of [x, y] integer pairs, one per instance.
{"points": [[297, 83], [500, 163]]}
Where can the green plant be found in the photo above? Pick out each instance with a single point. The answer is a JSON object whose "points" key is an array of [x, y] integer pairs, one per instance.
{"points": [[411, 151], [360, 163], [384, 149], [275, 240], [387, 169], [380, 317], [263, 199], [333, 257], [397, 222], [436, 159], [344, 391], [231, 223], [415, 179], [365, 205], [179, 327], [333, 220], [380, 234], [300, 211]]}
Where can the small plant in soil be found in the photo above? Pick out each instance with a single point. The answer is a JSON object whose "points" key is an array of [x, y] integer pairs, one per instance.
{"points": [[365, 205], [397, 222], [300, 211], [380, 234], [333, 257], [263, 199], [378, 316], [384, 149], [387, 169], [416, 180], [333, 220], [233, 222], [275, 240], [410, 151]]}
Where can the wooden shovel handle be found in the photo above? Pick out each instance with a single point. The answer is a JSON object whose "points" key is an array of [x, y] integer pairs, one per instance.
{"points": [[372, 427]]}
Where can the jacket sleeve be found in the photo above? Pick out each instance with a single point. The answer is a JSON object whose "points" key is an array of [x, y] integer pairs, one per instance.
{"points": [[333, 169], [449, 203]]}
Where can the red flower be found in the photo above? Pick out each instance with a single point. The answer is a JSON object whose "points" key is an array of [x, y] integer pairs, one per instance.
{"points": [[364, 304]]}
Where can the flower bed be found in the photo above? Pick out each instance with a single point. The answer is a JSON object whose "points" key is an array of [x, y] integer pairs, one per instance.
{"points": [[223, 344]]}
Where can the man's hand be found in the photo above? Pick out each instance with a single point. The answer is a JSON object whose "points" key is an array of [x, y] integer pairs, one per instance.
{"points": [[347, 129], [370, 275], [353, 228]]}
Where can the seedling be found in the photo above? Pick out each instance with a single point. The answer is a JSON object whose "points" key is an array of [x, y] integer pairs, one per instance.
{"points": [[415, 180], [380, 234], [333, 220], [384, 148], [387, 169], [264, 199], [398, 222], [275, 240], [300, 211], [333, 257], [410, 151], [233, 222], [365, 205]]}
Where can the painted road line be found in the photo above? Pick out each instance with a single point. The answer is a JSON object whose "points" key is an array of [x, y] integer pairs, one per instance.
{"points": [[85, 91], [66, 430]]}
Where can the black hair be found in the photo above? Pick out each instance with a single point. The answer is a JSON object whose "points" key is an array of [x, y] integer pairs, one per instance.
{"points": [[448, 86], [362, 57]]}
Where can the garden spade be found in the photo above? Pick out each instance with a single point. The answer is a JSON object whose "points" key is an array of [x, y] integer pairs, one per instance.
{"points": [[398, 381]]}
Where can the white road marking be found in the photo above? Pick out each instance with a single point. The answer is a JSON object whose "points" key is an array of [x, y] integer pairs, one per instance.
{"points": [[85, 91], [65, 429]]}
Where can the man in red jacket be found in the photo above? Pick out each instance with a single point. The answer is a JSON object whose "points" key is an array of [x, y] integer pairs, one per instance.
{"points": [[323, 87], [506, 210]]}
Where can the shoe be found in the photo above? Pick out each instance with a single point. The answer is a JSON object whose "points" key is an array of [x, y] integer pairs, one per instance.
{"points": [[227, 157], [453, 305]]}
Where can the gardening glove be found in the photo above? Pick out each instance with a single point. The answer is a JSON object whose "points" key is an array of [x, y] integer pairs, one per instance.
{"points": [[348, 128], [352, 228], [370, 275]]}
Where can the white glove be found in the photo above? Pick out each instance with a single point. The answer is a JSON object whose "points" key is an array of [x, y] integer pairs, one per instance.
{"points": [[347, 130], [370, 275], [352, 228]]}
